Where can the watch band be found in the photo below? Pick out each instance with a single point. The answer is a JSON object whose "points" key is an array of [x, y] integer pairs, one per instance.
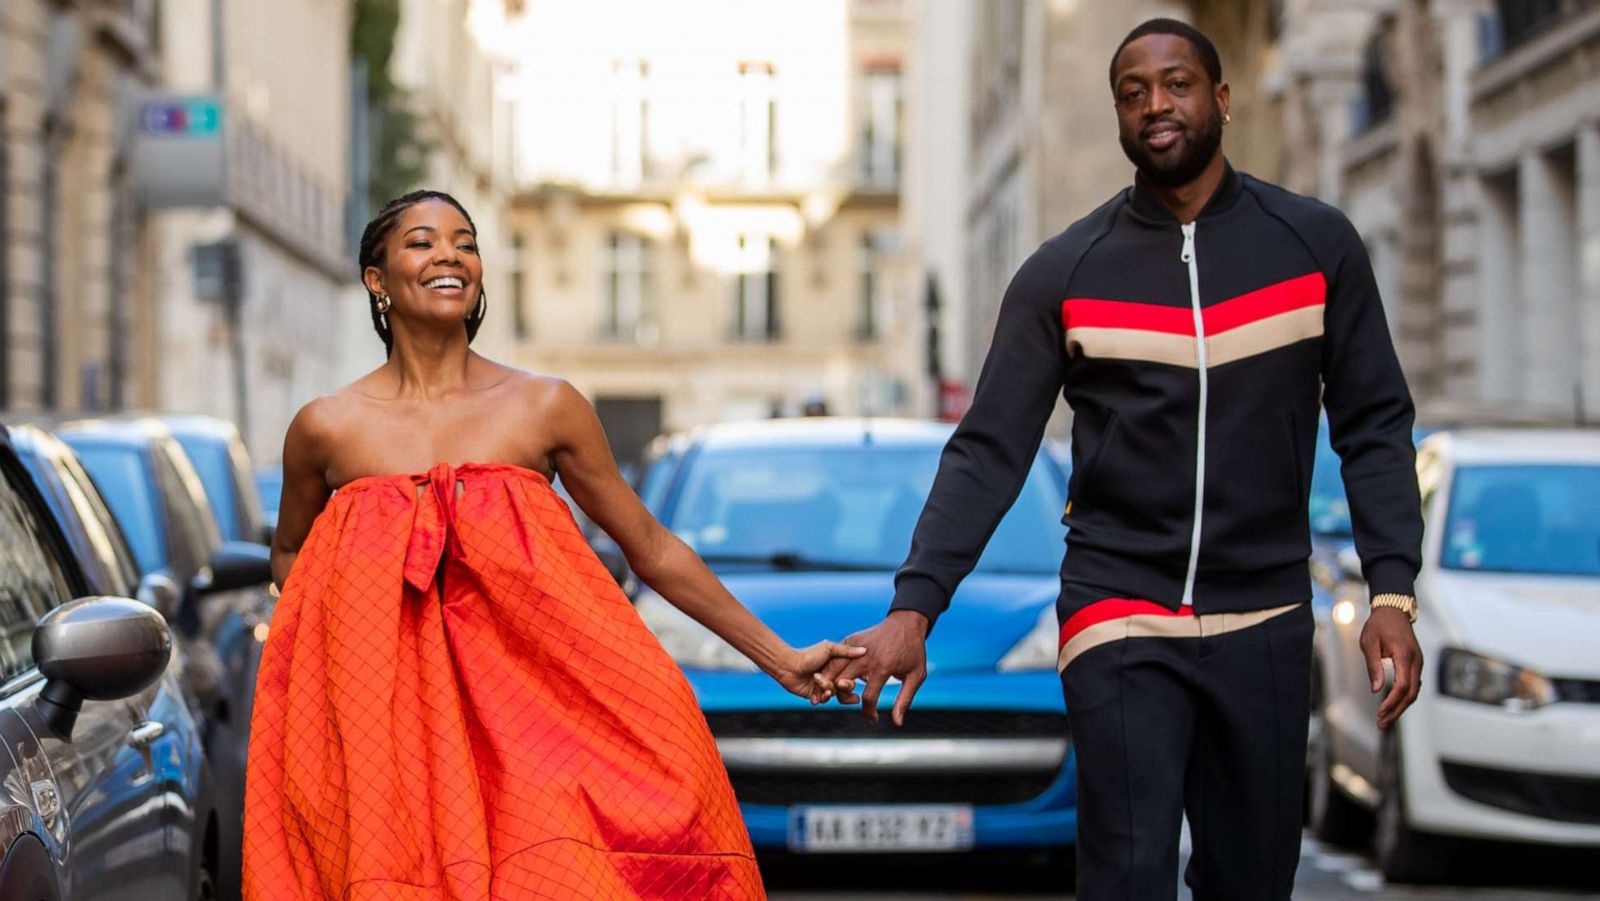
{"points": [[1405, 603]]}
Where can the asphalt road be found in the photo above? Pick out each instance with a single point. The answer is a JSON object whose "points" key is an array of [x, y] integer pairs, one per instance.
{"points": [[1325, 875]]}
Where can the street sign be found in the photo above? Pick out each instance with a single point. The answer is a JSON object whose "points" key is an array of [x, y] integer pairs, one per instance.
{"points": [[179, 151], [195, 117]]}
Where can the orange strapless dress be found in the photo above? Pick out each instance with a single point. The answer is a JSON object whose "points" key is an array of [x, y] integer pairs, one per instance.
{"points": [[457, 702]]}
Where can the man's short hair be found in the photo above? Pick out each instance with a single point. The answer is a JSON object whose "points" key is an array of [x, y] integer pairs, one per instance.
{"points": [[1203, 47]]}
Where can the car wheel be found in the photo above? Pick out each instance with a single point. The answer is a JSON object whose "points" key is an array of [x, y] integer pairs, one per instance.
{"points": [[1331, 815], [1404, 854]]}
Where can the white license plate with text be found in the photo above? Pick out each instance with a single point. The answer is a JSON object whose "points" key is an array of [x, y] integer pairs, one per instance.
{"points": [[871, 829]]}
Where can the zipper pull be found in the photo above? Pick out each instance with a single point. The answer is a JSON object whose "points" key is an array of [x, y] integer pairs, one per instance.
{"points": [[1188, 242]]}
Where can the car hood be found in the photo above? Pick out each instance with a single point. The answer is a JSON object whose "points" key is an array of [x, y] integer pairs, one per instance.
{"points": [[1545, 622], [987, 616]]}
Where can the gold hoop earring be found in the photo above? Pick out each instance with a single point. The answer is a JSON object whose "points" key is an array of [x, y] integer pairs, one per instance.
{"points": [[382, 303]]}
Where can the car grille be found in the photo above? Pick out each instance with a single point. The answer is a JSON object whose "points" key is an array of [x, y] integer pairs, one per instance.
{"points": [[1582, 691], [849, 723], [1569, 799], [914, 788], [824, 786]]}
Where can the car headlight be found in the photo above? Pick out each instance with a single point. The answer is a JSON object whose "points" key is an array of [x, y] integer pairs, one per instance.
{"points": [[1473, 677], [1036, 650], [691, 644]]}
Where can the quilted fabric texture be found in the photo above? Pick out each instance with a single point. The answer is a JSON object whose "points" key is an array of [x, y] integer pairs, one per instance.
{"points": [[457, 702]]}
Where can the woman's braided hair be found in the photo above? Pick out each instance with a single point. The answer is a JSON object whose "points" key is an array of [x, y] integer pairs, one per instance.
{"points": [[371, 254]]}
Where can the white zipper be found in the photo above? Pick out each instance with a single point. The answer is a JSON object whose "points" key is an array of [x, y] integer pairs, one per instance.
{"points": [[1200, 441]]}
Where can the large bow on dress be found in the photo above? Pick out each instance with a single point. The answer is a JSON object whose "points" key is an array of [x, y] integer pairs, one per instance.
{"points": [[434, 529]]}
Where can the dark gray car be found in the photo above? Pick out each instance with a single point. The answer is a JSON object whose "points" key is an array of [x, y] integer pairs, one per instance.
{"points": [[99, 756], [160, 503]]}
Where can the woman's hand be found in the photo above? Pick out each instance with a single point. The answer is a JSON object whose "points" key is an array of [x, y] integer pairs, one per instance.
{"points": [[800, 671]]}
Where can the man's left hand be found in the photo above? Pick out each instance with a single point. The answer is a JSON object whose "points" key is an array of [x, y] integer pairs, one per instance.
{"points": [[1388, 635]]}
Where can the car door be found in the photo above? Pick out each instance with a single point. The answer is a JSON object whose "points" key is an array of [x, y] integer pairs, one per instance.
{"points": [[101, 790], [176, 752]]}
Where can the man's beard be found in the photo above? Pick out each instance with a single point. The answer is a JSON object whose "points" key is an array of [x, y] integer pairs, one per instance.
{"points": [[1199, 146]]}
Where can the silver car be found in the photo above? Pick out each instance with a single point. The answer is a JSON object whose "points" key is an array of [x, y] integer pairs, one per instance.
{"points": [[99, 756]]}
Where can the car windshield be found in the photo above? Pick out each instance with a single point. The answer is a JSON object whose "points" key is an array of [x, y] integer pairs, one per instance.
{"points": [[123, 480], [844, 508], [215, 469], [1524, 519]]}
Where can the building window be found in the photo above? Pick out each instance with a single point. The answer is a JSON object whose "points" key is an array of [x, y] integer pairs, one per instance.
{"points": [[755, 301], [873, 298], [518, 285], [629, 313], [880, 128], [630, 119], [1520, 21], [1376, 101], [758, 124]]}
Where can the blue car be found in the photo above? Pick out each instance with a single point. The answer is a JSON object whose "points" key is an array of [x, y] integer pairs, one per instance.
{"points": [[220, 460], [805, 521], [224, 603]]}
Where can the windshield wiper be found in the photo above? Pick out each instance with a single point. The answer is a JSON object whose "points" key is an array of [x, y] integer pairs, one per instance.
{"points": [[794, 561]]}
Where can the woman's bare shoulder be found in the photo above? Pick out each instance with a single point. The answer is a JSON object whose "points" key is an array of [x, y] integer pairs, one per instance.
{"points": [[535, 391], [323, 417]]}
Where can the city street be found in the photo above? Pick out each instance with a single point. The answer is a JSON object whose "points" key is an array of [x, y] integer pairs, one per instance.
{"points": [[1325, 875]]}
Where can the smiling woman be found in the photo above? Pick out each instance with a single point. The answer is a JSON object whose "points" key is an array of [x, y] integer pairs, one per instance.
{"points": [[419, 277]]}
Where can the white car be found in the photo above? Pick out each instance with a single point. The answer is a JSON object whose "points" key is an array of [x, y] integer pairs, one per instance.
{"points": [[1503, 742]]}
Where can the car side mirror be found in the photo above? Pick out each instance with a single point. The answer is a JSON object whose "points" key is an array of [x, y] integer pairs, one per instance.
{"points": [[96, 648], [161, 592], [1350, 564], [236, 564]]}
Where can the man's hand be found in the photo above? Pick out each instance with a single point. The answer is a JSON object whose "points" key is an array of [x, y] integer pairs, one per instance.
{"points": [[1388, 634], [895, 647]]}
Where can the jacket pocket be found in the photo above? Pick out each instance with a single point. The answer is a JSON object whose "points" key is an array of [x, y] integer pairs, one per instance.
{"points": [[1298, 481], [1082, 489]]}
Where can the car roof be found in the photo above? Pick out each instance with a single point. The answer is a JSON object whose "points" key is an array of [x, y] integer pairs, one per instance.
{"points": [[208, 427], [135, 432], [821, 431], [29, 438], [1473, 447]]}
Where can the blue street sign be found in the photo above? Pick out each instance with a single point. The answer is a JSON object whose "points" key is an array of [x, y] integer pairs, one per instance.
{"points": [[192, 118]]}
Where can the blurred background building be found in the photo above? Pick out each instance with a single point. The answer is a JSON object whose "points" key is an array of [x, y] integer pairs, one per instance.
{"points": [[716, 210], [708, 226], [75, 254]]}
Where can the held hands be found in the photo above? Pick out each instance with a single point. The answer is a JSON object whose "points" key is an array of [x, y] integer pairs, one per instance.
{"points": [[895, 647], [800, 673], [1388, 634]]}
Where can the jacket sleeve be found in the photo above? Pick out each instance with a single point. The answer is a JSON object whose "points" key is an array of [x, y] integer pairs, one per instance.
{"points": [[985, 462], [1370, 418]]}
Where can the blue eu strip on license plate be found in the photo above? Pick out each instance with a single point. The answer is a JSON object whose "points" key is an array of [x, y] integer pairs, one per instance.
{"points": [[844, 830]]}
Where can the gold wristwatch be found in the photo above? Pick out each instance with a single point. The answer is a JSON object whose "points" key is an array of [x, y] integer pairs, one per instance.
{"points": [[1405, 603]]}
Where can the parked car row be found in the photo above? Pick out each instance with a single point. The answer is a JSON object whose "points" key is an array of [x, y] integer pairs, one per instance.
{"points": [[1503, 742], [805, 521], [130, 629]]}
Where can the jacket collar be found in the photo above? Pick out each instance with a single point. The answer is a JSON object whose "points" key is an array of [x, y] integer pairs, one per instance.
{"points": [[1144, 202]]}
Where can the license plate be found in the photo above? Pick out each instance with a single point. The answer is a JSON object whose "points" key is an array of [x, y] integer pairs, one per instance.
{"points": [[869, 829]]}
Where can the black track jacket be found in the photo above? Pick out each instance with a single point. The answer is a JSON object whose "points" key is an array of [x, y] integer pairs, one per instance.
{"points": [[1195, 359]]}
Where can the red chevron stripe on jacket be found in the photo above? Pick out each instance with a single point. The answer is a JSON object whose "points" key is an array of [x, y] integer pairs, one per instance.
{"points": [[1244, 326]]}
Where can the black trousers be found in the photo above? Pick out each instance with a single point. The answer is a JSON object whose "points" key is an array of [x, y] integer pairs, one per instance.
{"points": [[1174, 715]]}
